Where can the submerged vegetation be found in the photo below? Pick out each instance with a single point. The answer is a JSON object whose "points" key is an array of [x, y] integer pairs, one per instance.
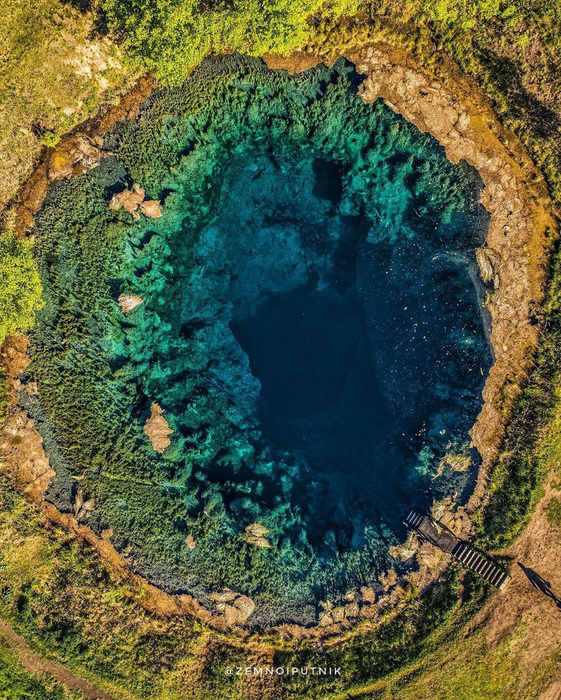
{"points": [[232, 234]]}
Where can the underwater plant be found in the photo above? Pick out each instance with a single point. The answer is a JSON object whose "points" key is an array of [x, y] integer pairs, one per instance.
{"points": [[283, 275]]}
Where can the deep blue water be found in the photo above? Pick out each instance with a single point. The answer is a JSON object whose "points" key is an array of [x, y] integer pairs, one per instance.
{"points": [[362, 371]]}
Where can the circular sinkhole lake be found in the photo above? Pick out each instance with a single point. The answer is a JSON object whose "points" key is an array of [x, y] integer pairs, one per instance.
{"points": [[310, 326]]}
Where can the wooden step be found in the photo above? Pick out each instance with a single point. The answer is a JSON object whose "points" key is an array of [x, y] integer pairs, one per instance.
{"points": [[414, 519], [486, 568]]}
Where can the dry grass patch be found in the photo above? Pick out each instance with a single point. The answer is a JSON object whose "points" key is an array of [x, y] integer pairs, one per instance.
{"points": [[53, 75]]}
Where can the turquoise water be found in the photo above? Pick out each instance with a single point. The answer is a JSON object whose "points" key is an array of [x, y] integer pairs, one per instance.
{"points": [[310, 326]]}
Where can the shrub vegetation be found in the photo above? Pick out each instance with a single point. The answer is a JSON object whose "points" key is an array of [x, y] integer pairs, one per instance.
{"points": [[171, 37], [20, 288]]}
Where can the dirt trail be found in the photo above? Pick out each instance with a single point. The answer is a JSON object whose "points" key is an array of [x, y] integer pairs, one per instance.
{"points": [[522, 612], [37, 664], [553, 692]]}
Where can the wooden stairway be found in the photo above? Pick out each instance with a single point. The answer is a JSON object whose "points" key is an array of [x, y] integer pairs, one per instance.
{"points": [[486, 568], [414, 519], [431, 530]]}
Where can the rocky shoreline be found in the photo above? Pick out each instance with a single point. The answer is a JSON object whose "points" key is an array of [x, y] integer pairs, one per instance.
{"points": [[514, 259]]}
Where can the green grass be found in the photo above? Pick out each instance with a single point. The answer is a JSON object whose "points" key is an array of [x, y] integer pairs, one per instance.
{"points": [[57, 595], [553, 512], [467, 669], [16, 683], [52, 76], [20, 288]]}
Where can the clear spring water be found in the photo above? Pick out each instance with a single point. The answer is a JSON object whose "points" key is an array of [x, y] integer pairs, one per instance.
{"points": [[368, 355], [310, 326]]}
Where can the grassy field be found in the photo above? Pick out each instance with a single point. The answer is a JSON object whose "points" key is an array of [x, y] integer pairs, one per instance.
{"points": [[18, 684], [54, 73]]}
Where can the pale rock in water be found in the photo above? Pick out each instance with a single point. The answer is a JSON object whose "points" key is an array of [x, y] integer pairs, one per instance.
{"points": [[130, 200], [128, 302], [255, 535], [157, 429], [487, 259], [190, 542], [151, 208]]}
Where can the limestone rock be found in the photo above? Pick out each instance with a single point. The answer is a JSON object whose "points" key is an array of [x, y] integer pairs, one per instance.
{"points": [[407, 550], [255, 535], [13, 355], [130, 200], [389, 579], [60, 165], [128, 302], [352, 610], [82, 508], [157, 429], [225, 597], [239, 611], [369, 612], [234, 608], [325, 618], [368, 594], [487, 259], [21, 447], [151, 208], [77, 154], [338, 613]]}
